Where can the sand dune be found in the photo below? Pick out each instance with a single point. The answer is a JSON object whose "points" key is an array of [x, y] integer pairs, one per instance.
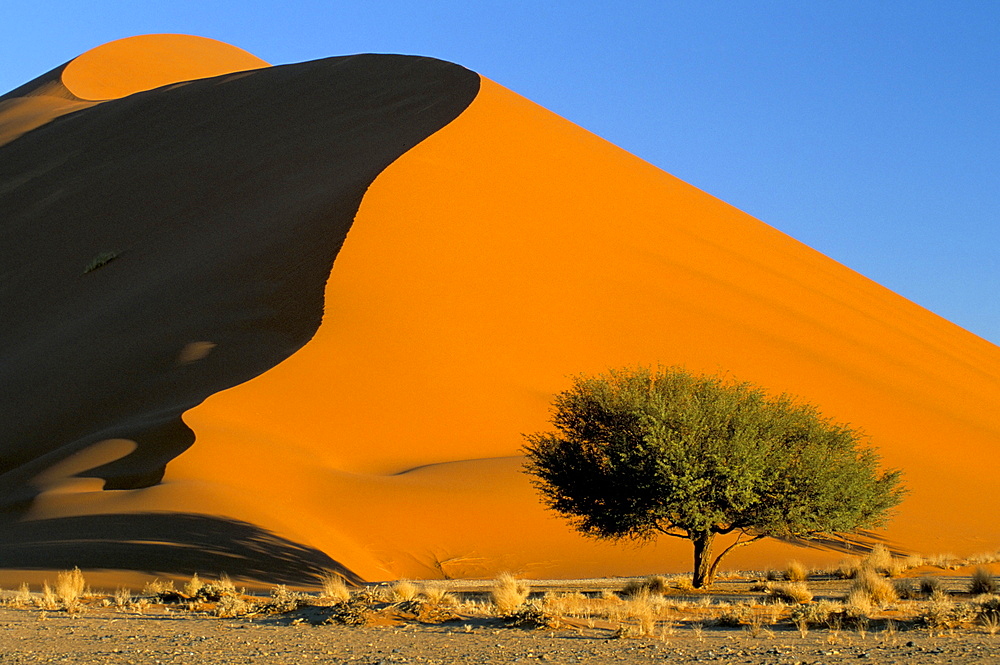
{"points": [[360, 280]]}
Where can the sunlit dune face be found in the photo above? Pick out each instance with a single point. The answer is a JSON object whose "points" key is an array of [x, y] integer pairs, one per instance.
{"points": [[512, 249], [135, 64]]}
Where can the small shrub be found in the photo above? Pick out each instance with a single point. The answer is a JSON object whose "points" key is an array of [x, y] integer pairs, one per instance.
{"points": [[984, 558], [70, 586], [989, 615], [284, 600], [508, 594], [654, 584], [193, 586], [931, 585], [790, 592], [859, 604], [232, 606], [943, 613], [983, 582], [532, 615], [683, 583], [946, 561], [905, 589], [356, 611], [437, 596], [49, 600], [157, 587], [847, 569], [123, 598], [734, 615], [879, 559], [22, 597], [796, 572], [880, 591]]}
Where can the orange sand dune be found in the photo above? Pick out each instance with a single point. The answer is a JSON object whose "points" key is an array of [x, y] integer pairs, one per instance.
{"points": [[494, 258], [115, 70], [136, 64]]}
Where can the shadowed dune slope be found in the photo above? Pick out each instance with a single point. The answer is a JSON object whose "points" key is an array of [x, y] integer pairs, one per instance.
{"points": [[499, 249], [176, 242], [115, 70]]}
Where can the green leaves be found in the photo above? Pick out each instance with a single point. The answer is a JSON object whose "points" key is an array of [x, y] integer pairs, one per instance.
{"points": [[638, 452]]}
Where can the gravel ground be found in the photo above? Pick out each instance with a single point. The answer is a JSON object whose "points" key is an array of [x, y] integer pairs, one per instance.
{"points": [[160, 636]]}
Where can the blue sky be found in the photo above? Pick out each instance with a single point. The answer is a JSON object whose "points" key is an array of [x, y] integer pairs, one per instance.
{"points": [[868, 130]]}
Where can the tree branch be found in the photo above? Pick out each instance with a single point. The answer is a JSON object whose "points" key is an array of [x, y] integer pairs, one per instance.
{"points": [[737, 543], [669, 533]]}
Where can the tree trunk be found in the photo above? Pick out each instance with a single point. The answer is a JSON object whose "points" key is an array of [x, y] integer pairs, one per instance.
{"points": [[702, 558]]}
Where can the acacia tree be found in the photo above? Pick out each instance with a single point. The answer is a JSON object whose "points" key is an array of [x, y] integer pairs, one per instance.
{"points": [[639, 453]]}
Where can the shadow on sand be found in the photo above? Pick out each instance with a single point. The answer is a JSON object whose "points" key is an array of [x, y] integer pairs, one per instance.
{"points": [[163, 543]]}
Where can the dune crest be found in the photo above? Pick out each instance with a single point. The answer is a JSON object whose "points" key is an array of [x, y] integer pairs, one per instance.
{"points": [[136, 64], [114, 70]]}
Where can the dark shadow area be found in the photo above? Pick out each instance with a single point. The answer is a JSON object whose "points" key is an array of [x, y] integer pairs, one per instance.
{"points": [[223, 203], [163, 543]]}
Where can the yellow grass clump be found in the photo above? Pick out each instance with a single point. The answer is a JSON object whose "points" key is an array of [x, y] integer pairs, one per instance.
{"points": [[70, 586], [796, 572], [333, 587], [983, 582], [790, 592], [508, 593], [403, 591], [876, 589], [193, 586]]}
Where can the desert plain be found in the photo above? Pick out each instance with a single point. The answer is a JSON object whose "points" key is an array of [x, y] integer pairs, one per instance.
{"points": [[287, 322]]}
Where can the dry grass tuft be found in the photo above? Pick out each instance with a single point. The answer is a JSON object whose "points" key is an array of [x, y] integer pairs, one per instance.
{"points": [[437, 596], [402, 591], [734, 615], [880, 560], [333, 587], [157, 587], [847, 569], [683, 583], [878, 590], [946, 561], [989, 615], [231, 606], [859, 604], [796, 572], [653, 584], [984, 557], [983, 582], [49, 600], [123, 598], [508, 593], [193, 586], [790, 592], [69, 588], [905, 589], [931, 585], [22, 597]]}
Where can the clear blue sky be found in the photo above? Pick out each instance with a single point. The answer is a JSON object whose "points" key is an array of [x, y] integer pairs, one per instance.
{"points": [[868, 130]]}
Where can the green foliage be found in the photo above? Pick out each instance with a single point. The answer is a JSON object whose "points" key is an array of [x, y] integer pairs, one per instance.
{"points": [[638, 453]]}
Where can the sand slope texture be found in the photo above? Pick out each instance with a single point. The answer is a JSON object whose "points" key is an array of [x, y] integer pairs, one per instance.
{"points": [[277, 320]]}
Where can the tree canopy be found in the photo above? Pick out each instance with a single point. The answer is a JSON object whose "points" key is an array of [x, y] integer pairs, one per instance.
{"points": [[637, 453]]}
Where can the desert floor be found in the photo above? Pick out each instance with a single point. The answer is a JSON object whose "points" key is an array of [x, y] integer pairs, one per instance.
{"points": [[145, 630]]}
